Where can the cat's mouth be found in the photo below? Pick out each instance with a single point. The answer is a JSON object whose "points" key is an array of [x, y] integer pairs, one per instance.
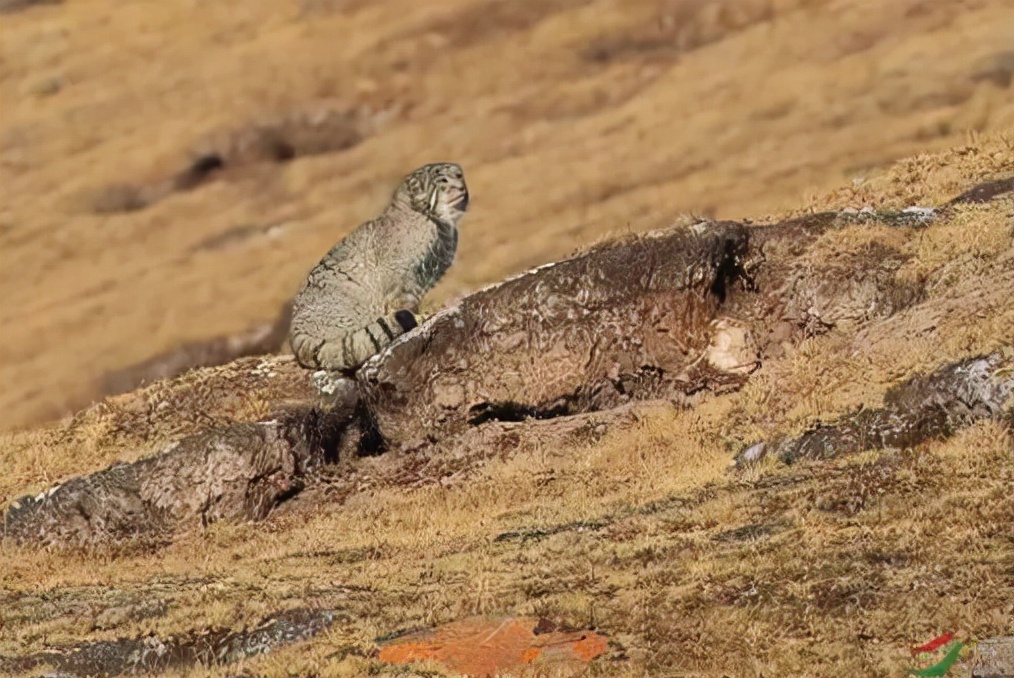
{"points": [[462, 204]]}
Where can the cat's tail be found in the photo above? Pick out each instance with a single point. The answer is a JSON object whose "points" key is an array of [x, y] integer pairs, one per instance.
{"points": [[346, 352]]}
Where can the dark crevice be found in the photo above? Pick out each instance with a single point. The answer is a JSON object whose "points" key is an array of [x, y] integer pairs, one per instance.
{"points": [[679, 28], [371, 443], [323, 431], [282, 151], [538, 534], [198, 171], [730, 270], [512, 411]]}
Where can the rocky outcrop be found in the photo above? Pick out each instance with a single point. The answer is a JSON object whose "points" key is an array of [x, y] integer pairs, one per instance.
{"points": [[627, 320], [675, 315], [926, 407], [151, 654], [238, 472]]}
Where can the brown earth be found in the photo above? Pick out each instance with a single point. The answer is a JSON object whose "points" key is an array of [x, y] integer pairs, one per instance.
{"points": [[259, 133]]}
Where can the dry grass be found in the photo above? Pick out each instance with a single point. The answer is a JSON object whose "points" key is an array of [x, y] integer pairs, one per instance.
{"points": [[597, 126], [573, 120], [813, 569]]}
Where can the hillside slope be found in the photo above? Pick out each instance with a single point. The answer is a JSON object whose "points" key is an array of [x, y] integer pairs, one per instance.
{"points": [[643, 531], [574, 119]]}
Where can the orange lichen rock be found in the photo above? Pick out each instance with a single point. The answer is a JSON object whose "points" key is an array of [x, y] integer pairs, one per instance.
{"points": [[491, 646]]}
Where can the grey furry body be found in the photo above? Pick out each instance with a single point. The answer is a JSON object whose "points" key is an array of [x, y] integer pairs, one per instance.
{"points": [[354, 301]]}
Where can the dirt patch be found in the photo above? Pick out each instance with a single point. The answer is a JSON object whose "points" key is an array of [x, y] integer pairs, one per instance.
{"points": [[313, 8], [319, 130], [237, 235], [202, 648], [482, 646], [679, 26], [747, 533], [996, 68], [536, 534], [11, 6], [486, 20]]}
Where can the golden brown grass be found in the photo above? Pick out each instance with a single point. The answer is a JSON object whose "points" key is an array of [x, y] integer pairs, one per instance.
{"points": [[596, 126], [573, 120], [812, 569]]}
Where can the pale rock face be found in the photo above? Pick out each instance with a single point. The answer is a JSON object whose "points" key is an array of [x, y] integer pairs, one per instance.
{"points": [[732, 348]]}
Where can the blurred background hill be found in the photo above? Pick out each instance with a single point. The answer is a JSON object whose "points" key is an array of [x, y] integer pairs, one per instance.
{"points": [[170, 170]]}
